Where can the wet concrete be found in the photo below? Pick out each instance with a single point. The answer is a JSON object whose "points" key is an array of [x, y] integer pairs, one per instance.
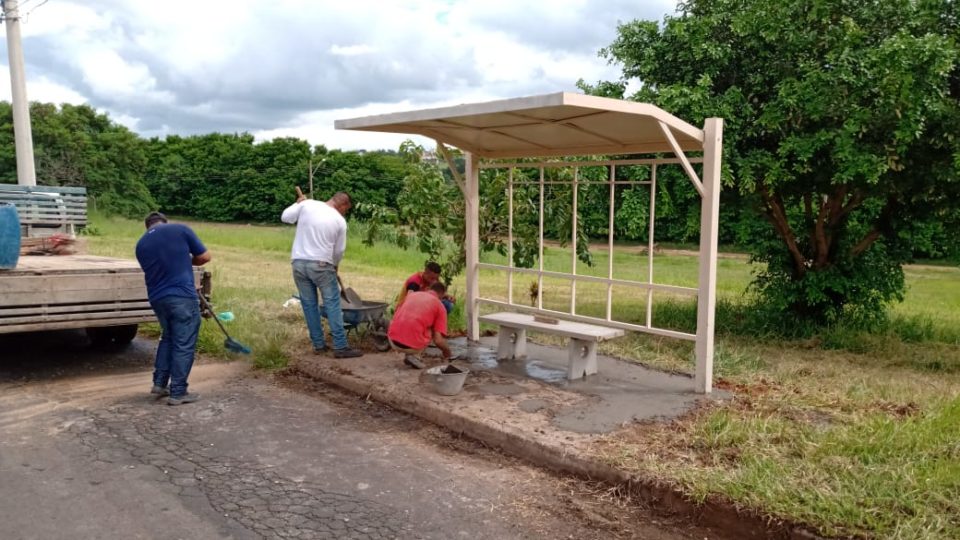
{"points": [[533, 405], [620, 393], [499, 389]]}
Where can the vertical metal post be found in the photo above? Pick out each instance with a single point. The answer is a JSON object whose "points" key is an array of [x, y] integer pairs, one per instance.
{"points": [[613, 188], [472, 222], [22, 133], [540, 244], [573, 244], [653, 214], [510, 236], [709, 225]]}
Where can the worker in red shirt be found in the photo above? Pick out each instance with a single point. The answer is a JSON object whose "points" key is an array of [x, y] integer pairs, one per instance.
{"points": [[418, 321], [421, 281]]}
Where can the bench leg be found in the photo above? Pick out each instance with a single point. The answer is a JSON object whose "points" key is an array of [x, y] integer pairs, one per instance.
{"points": [[512, 343], [583, 358]]}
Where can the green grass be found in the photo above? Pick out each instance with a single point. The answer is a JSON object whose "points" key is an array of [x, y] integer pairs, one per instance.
{"points": [[851, 432], [252, 278]]}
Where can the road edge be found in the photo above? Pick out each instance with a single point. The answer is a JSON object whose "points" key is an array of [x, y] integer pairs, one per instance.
{"points": [[715, 513]]}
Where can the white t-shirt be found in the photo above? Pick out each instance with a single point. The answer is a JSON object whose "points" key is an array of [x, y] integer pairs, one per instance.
{"points": [[321, 231]]}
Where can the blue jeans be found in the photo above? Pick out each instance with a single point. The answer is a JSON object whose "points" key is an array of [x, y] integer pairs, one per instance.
{"points": [[447, 305], [180, 320], [311, 276]]}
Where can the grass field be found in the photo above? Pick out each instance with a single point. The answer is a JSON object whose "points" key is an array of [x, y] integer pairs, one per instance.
{"points": [[851, 432]]}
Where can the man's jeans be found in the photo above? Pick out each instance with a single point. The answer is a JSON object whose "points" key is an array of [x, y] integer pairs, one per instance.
{"points": [[309, 277], [180, 320]]}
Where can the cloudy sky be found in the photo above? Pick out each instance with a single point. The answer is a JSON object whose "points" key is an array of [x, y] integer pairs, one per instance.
{"points": [[291, 67]]}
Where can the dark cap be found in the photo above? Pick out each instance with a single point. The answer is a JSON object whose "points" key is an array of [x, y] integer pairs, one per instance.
{"points": [[153, 218]]}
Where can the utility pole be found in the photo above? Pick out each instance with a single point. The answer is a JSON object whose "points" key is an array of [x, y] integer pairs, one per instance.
{"points": [[311, 169], [26, 173]]}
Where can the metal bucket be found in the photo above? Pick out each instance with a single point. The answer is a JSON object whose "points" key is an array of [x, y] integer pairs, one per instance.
{"points": [[446, 384], [9, 236]]}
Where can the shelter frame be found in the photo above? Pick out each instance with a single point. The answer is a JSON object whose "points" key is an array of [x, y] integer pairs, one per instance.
{"points": [[564, 124]]}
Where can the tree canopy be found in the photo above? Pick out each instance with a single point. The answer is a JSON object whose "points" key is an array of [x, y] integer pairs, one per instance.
{"points": [[216, 176], [841, 131], [74, 145]]}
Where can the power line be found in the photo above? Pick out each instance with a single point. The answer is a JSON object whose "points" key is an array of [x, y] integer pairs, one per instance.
{"points": [[26, 16], [22, 17]]}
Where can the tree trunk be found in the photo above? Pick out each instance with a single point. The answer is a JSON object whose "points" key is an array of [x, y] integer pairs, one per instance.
{"points": [[775, 213]]}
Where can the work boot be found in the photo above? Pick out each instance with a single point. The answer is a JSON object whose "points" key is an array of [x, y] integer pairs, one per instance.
{"points": [[321, 350], [186, 398], [346, 353], [159, 391], [413, 361]]}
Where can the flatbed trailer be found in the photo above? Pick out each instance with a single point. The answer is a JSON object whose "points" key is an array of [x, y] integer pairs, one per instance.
{"points": [[107, 296], [104, 295]]}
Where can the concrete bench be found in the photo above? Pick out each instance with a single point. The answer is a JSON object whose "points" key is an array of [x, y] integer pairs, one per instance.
{"points": [[582, 347]]}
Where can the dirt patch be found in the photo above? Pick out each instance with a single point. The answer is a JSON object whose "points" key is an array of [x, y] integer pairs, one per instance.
{"points": [[897, 410]]}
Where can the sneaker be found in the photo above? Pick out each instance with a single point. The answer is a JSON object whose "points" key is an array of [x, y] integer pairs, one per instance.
{"points": [[413, 361], [186, 398], [346, 353], [321, 350], [159, 391]]}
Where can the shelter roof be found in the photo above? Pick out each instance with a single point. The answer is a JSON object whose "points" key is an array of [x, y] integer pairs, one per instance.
{"points": [[558, 124]]}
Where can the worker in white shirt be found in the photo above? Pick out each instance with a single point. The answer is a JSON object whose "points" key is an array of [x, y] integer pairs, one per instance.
{"points": [[318, 247]]}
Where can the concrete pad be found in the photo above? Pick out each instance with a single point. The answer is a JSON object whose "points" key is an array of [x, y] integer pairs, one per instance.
{"points": [[525, 407]]}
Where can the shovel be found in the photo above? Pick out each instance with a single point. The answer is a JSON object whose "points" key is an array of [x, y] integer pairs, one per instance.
{"points": [[349, 296], [230, 343]]}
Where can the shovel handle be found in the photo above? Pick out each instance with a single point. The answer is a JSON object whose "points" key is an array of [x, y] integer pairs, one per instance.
{"points": [[206, 305]]}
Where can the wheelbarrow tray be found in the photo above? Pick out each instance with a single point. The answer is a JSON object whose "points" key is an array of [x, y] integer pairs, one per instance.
{"points": [[368, 312], [354, 315], [368, 317]]}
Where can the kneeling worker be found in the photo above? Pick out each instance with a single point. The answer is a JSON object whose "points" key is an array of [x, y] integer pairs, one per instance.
{"points": [[420, 319], [421, 281]]}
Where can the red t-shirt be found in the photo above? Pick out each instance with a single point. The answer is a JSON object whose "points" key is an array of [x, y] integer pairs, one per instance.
{"points": [[416, 279], [417, 318]]}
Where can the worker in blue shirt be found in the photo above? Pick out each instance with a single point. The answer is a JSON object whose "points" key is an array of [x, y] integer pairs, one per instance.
{"points": [[167, 252]]}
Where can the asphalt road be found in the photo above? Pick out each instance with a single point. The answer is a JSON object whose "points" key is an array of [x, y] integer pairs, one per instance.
{"points": [[85, 452]]}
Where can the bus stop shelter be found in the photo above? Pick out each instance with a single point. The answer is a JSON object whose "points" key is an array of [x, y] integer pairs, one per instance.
{"points": [[561, 125]]}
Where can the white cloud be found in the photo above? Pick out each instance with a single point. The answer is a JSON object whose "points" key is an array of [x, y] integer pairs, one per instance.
{"points": [[109, 75], [41, 89], [291, 67], [352, 50]]}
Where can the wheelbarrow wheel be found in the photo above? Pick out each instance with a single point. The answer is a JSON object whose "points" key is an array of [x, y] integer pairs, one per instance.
{"points": [[380, 341]]}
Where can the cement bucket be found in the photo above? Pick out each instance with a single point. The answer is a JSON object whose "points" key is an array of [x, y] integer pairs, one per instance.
{"points": [[446, 384]]}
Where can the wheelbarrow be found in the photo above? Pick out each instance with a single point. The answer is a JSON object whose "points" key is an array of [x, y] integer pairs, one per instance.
{"points": [[369, 318]]}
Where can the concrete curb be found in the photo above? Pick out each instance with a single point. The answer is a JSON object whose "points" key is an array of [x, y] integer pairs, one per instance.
{"points": [[715, 513]]}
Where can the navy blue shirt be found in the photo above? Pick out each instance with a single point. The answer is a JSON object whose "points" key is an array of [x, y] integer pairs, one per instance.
{"points": [[166, 252]]}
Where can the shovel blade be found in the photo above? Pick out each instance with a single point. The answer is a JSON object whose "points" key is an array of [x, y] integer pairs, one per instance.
{"points": [[235, 346], [351, 297]]}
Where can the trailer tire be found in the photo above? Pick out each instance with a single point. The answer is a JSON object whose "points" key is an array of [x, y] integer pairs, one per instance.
{"points": [[112, 336]]}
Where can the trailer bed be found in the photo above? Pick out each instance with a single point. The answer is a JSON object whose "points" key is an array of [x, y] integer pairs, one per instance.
{"points": [[72, 291], [70, 264]]}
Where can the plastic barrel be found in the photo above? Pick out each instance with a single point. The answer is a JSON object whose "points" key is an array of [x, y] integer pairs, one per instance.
{"points": [[9, 236]]}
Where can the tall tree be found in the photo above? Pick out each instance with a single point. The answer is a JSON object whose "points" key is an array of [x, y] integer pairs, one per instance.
{"points": [[841, 126], [74, 145]]}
